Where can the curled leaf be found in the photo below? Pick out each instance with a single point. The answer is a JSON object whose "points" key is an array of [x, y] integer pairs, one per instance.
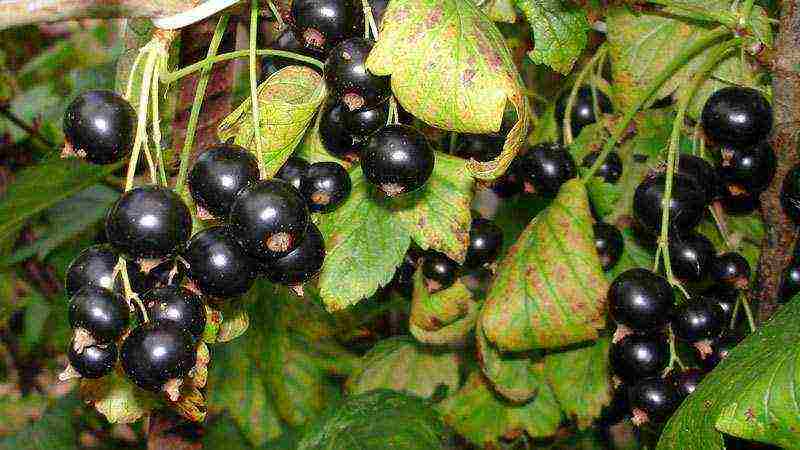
{"points": [[444, 317], [515, 376], [117, 398]]}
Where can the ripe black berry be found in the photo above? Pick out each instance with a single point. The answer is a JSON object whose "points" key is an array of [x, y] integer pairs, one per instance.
{"points": [[698, 320], [701, 172], [510, 183], [439, 270], [690, 256], [737, 116], [485, 241], [95, 267], [302, 263], [655, 397], [148, 222], [546, 167], [218, 265], [219, 174], [293, 171], [641, 300], [790, 282], [720, 349], [100, 126], [636, 356], [157, 352], [361, 124], [397, 159], [480, 147], [322, 24], [325, 186], [731, 269], [269, 219], [94, 361], [686, 382], [737, 200], [348, 79], [176, 305], [790, 194], [610, 170], [100, 312], [608, 243], [686, 206], [288, 41], [583, 108], [333, 134], [403, 280], [752, 168], [725, 297]]}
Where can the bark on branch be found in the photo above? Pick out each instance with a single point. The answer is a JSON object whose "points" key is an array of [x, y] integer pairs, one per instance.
{"points": [[776, 249]]}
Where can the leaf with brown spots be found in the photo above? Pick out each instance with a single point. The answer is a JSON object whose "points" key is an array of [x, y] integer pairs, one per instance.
{"points": [[444, 317], [560, 31], [500, 10], [550, 289], [515, 376]]}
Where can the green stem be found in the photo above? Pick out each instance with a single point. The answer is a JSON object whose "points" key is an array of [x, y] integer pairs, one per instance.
{"points": [[197, 105], [747, 10], [171, 77], [748, 313], [262, 169], [453, 141], [369, 21], [140, 139], [585, 71], [735, 312], [275, 13], [157, 131]]}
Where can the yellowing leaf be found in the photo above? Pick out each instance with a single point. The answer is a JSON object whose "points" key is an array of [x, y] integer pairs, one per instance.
{"points": [[117, 398], [444, 317]]}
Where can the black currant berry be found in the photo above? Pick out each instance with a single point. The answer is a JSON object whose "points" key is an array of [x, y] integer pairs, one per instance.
{"points": [[790, 282], [686, 206], [100, 312], [397, 159], [288, 41], [218, 265], [148, 222], [333, 134], [439, 271], [100, 126], [94, 361], [690, 256], [640, 300], [703, 174], [608, 243], [655, 397], [269, 219], [361, 124], [790, 194], [302, 263], [720, 349], [403, 280], [510, 183], [178, 306], [157, 352], [686, 382], [95, 267], [546, 167], [725, 297], [737, 116], [293, 171], [637, 356], [731, 269], [698, 320], [485, 241], [737, 200], [219, 174], [583, 108], [480, 147], [610, 170], [348, 79], [752, 168], [322, 24], [326, 186]]}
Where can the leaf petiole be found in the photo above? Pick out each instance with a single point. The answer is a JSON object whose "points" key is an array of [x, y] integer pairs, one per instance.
{"points": [[254, 88], [209, 61]]}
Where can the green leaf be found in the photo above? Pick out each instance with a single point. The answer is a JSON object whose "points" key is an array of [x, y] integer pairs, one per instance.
{"points": [[550, 289], [580, 380], [16, 411], [500, 10], [119, 400], [287, 103], [752, 394], [54, 430], [482, 417], [235, 320], [451, 68], [402, 365], [375, 421], [515, 376], [560, 32], [745, 234], [444, 317]]}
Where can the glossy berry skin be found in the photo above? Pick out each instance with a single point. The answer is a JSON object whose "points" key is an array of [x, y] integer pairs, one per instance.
{"points": [[640, 300], [100, 124], [697, 320], [737, 116], [790, 194], [510, 183], [480, 147], [403, 280], [686, 382], [288, 41], [219, 174], [326, 186], [608, 243], [269, 219], [148, 222], [610, 170], [333, 134], [303, 263], [218, 265], [168, 273], [686, 206], [95, 361], [656, 397], [547, 167], [322, 24], [397, 159], [582, 109], [348, 79], [439, 269], [701, 172], [293, 171], [94, 266], [361, 124], [690, 256], [637, 356], [101, 312], [156, 352], [485, 242], [750, 167], [725, 298], [731, 269], [178, 306], [790, 282]]}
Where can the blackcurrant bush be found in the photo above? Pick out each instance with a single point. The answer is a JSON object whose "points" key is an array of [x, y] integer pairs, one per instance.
{"points": [[480, 147], [608, 243], [293, 171], [485, 242], [94, 361], [686, 206], [326, 186], [790, 194], [288, 41], [333, 134], [732, 269], [583, 108], [348, 79], [637, 356], [302, 263], [686, 382], [698, 320], [95, 267], [737, 116], [361, 124], [100, 126], [403, 280], [100, 312], [725, 297], [397, 159], [148, 222], [219, 174], [790, 282], [176, 305], [546, 167], [322, 24], [720, 349], [752, 168], [157, 352], [439, 270], [640, 300], [690, 256], [269, 218], [655, 397], [701, 172], [218, 265], [610, 170]]}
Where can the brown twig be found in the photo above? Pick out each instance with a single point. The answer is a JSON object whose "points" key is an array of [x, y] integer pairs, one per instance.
{"points": [[31, 130]]}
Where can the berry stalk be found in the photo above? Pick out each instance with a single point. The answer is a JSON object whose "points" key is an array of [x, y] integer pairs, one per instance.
{"points": [[211, 60], [254, 88], [567, 125]]}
